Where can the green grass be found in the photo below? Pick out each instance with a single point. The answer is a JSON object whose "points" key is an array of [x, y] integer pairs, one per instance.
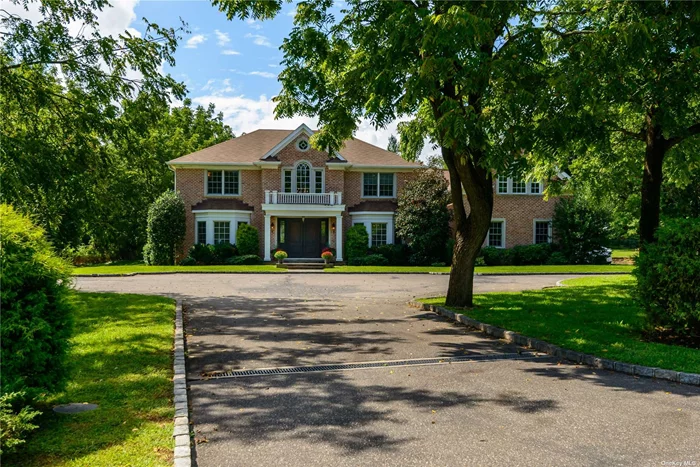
{"points": [[573, 269], [594, 315], [121, 360], [145, 269], [624, 253]]}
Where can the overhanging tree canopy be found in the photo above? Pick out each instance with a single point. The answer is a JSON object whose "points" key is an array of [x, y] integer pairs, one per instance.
{"points": [[466, 72]]}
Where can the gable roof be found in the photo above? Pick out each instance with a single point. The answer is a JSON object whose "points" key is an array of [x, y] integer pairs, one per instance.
{"points": [[262, 145]]}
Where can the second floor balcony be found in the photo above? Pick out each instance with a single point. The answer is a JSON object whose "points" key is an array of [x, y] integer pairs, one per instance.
{"points": [[324, 199]]}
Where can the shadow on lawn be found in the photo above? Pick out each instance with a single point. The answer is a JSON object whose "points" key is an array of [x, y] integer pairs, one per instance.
{"points": [[329, 408]]}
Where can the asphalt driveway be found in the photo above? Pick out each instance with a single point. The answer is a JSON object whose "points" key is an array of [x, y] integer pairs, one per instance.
{"points": [[505, 410]]}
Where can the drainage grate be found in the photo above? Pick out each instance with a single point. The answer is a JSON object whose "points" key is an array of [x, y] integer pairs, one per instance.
{"points": [[380, 364]]}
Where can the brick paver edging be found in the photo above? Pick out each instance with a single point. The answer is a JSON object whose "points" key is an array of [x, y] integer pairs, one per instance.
{"points": [[181, 432], [130, 274], [576, 357]]}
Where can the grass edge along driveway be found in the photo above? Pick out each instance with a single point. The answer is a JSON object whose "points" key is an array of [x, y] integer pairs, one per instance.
{"points": [[271, 268], [594, 315], [120, 359]]}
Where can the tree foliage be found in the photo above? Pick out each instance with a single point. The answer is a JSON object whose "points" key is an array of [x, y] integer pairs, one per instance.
{"points": [[467, 73], [625, 81], [393, 144], [166, 229], [422, 218]]}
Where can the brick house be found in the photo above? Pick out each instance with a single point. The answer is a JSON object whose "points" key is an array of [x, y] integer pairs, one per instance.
{"points": [[302, 200]]}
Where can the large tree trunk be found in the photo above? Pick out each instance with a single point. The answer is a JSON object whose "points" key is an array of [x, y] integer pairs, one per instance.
{"points": [[652, 178], [470, 229]]}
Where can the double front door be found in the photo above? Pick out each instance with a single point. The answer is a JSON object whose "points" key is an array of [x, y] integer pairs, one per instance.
{"points": [[303, 238]]}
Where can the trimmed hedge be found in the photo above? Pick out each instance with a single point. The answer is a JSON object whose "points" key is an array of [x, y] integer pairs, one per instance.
{"points": [[356, 241], [668, 279], [244, 259], [165, 231], [396, 255], [36, 322], [247, 240], [369, 260]]}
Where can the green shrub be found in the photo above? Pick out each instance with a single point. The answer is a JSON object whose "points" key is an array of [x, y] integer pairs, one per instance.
{"points": [[668, 278], [356, 241], [165, 231], [202, 253], [247, 240], [529, 255], [222, 252], [369, 260], [497, 256], [36, 314], [188, 261], [244, 259], [557, 258], [580, 231], [423, 218], [83, 255], [397, 254], [15, 420]]}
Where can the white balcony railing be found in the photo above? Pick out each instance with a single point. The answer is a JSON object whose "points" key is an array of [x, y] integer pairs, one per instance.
{"points": [[329, 199]]}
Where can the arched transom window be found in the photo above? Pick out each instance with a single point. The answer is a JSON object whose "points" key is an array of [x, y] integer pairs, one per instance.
{"points": [[303, 178]]}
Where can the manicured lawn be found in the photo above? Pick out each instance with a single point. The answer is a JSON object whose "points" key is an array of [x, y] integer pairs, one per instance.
{"points": [[595, 315], [624, 253], [121, 360], [145, 269], [492, 269]]}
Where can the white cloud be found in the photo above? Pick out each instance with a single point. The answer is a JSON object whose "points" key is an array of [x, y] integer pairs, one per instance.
{"points": [[292, 12], [253, 24], [229, 52], [273, 65], [222, 38], [194, 41], [243, 114], [259, 40], [263, 74]]}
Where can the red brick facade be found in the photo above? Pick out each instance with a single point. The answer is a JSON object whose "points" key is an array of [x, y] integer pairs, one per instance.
{"points": [[519, 211]]}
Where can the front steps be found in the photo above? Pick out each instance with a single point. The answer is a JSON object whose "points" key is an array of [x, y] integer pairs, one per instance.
{"points": [[305, 263]]}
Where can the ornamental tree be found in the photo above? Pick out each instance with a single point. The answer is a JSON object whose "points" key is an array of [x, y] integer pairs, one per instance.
{"points": [[466, 74], [166, 229], [626, 91], [423, 218]]}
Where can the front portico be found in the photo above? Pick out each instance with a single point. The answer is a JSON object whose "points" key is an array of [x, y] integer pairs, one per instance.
{"points": [[303, 223]]}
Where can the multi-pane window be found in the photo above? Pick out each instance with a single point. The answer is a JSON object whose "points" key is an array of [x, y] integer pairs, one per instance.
{"points": [[201, 232], [287, 181], [369, 184], [507, 185], [386, 185], [519, 186], [318, 181], [222, 232], [502, 184], [497, 234], [542, 232], [378, 185], [378, 233], [223, 182], [303, 178]]}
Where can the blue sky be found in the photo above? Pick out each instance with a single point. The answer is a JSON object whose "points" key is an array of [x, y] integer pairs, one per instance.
{"points": [[233, 64]]}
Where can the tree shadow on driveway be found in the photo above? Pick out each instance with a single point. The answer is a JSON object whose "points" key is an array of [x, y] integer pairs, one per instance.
{"points": [[335, 408]]}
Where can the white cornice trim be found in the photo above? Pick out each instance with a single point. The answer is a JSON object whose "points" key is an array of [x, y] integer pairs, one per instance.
{"points": [[300, 210], [288, 139], [265, 164], [382, 168], [215, 165], [372, 213], [221, 211]]}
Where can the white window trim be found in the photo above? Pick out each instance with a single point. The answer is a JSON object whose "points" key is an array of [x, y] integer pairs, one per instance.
{"points": [[534, 230], [308, 145], [362, 186], [221, 195], [527, 188], [312, 176], [367, 218], [211, 216], [503, 232]]}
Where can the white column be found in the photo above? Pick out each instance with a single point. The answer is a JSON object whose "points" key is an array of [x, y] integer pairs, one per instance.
{"points": [[210, 232], [339, 237], [339, 197], [267, 196], [267, 237], [274, 197]]}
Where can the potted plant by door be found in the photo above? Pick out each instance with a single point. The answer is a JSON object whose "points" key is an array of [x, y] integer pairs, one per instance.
{"points": [[280, 256], [327, 255]]}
